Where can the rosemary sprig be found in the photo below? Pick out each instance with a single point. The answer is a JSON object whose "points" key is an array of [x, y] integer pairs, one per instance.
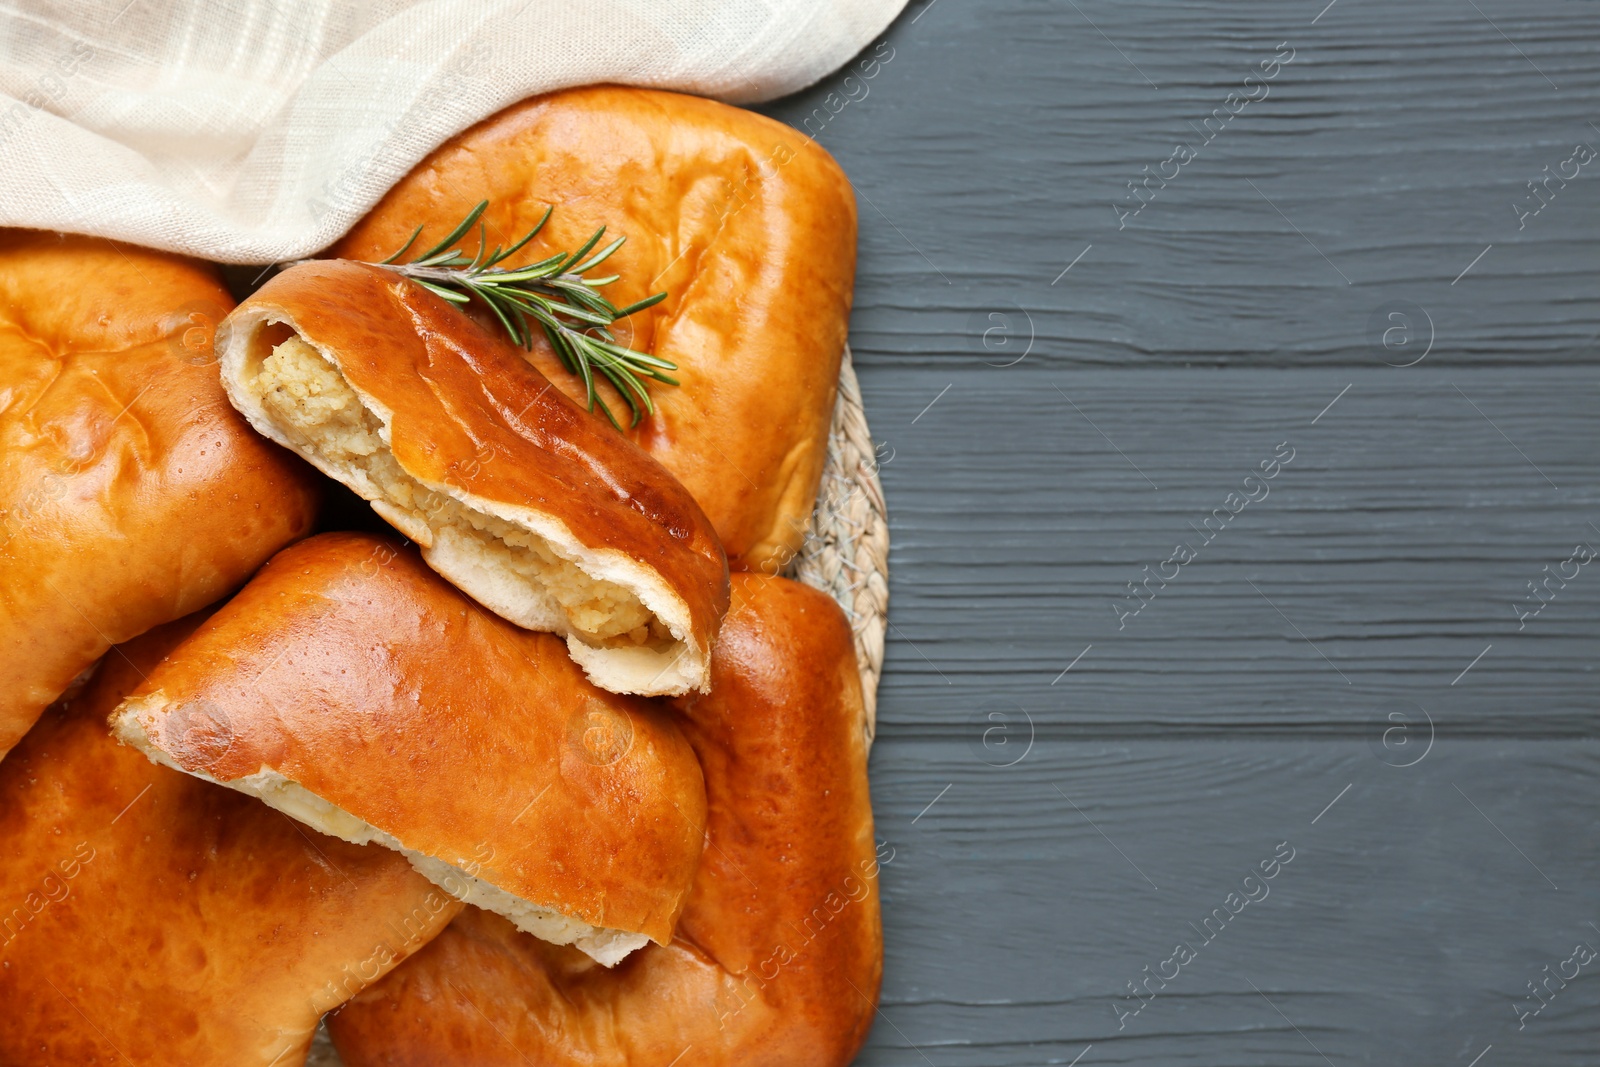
{"points": [[554, 293]]}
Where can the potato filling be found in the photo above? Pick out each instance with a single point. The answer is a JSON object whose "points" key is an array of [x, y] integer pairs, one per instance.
{"points": [[314, 406]]}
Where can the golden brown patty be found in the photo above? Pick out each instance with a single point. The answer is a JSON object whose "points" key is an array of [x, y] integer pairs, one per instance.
{"points": [[748, 226], [350, 686], [131, 492]]}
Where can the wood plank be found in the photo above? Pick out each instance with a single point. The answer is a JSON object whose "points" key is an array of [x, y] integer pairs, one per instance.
{"points": [[1395, 547], [1403, 930], [990, 147]]}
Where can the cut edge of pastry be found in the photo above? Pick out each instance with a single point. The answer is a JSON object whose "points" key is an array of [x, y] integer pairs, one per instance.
{"points": [[603, 945], [624, 625]]}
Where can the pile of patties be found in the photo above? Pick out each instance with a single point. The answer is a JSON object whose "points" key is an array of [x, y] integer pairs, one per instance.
{"points": [[529, 780]]}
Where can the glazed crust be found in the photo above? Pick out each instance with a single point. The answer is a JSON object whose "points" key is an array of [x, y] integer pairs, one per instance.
{"points": [[348, 667], [156, 919], [470, 417], [132, 494], [747, 224], [779, 952]]}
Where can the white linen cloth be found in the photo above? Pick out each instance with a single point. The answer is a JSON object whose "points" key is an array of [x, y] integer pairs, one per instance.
{"points": [[256, 131]]}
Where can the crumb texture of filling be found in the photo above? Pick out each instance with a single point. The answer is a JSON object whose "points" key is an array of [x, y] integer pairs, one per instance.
{"points": [[307, 398]]}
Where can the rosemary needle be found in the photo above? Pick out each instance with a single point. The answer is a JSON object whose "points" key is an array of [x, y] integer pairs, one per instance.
{"points": [[554, 293]]}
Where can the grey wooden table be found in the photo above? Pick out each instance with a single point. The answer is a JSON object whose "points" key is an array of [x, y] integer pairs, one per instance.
{"points": [[1120, 262]]}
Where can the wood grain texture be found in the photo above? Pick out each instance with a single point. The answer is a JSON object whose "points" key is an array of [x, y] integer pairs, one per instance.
{"points": [[1398, 543], [989, 151], [1404, 930], [1058, 399]]}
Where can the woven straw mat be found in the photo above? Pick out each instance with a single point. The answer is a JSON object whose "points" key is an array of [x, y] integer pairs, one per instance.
{"points": [[846, 550]]}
